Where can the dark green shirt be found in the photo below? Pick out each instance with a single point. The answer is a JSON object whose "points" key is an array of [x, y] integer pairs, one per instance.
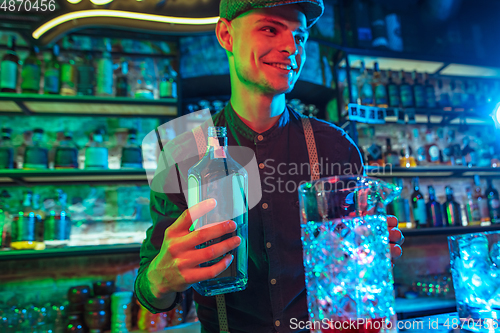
{"points": [[276, 284]]}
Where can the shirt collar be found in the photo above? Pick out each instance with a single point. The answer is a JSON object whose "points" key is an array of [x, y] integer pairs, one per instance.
{"points": [[250, 134]]}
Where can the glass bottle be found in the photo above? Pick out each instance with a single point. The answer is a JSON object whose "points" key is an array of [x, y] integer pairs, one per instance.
{"points": [[86, 76], [391, 157], [452, 152], [105, 72], [168, 84], [8, 68], [493, 202], [131, 152], [6, 150], [406, 92], [68, 72], [482, 201], [392, 91], [354, 91], [418, 205], [24, 225], [468, 153], [473, 213], [444, 97], [379, 87], [36, 156], [374, 152], [66, 155], [96, 154], [365, 89], [144, 84], [452, 209], [419, 92], [122, 85], [217, 175], [434, 209], [52, 84], [40, 214], [430, 93], [407, 159], [420, 147], [5, 221], [432, 151], [58, 222], [400, 207], [456, 94], [31, 72]]}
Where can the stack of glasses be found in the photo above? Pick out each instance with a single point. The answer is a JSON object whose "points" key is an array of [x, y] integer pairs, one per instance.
{"points": [[121, 312]]}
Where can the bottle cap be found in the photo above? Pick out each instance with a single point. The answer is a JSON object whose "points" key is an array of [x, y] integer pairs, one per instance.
{"points": [[132, 131], [38, 131]]}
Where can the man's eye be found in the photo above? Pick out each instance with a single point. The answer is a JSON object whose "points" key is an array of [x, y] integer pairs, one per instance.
{"points": [[269, 29], [300, 39]]}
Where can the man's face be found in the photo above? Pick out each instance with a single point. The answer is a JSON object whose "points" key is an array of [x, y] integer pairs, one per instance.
{"points": [[268, 48]]}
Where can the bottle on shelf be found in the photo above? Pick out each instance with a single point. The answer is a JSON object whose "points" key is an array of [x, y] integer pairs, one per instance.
{"points": [[217, 175], [379, 88], [493, 202], [6, 150], [407, 159], [400, 207], [85, 76], [168, 84], [374, 151], [5, 221], [482, 202], [66, 154], [418, 205], [122, 85], [456, 94], [391, 157], [444, 97], [365, 88], [452, 209], [421, 157], [8, 68], [24, 225], [96, 154], [473, 213], [434, 210], [430, 93], [452, 152], [432, 151], [131, 152], [354, 92], [52, 80], [392, 91], [39, 228], [68, 72], [406, 93], [31, 72], [144, 86], [419, 94], [36, 156], [105, 72], [468, 153], [58, 222]]}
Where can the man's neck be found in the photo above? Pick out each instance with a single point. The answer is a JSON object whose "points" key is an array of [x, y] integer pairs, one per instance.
{"points": [[259, 112]]}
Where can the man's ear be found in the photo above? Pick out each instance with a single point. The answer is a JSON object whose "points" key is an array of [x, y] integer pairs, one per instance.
{"points": [[224, 31]]}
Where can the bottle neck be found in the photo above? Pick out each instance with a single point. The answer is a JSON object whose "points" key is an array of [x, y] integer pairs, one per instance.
{"points": [[217, 147]]}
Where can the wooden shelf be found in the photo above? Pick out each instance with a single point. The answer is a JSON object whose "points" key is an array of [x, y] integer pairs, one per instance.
{"points": [[55, 105]]}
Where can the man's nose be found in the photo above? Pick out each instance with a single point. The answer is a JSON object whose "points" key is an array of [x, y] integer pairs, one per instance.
{"points": [[289, 44]]}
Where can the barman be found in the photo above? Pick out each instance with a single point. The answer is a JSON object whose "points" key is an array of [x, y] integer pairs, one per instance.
{"points": [[265, 45]]}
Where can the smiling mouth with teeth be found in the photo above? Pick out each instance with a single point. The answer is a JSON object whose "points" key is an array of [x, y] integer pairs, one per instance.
{"points": [[280, 66]]}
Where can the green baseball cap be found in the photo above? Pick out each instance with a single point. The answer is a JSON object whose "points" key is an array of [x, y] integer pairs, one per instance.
{"points": [[230, 9]]}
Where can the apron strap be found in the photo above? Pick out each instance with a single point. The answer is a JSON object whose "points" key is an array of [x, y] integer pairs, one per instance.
{"points": [[313, 161], [201, 143]]}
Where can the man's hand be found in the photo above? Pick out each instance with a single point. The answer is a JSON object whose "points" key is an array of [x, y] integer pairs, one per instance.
{"points": [[396, 238], [176, 267]]}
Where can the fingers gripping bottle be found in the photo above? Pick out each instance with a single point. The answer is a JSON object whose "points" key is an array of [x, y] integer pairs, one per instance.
{"points": [[219, 176]]}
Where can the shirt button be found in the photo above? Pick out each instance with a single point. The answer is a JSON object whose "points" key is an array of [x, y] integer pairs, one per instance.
{"points": [[268, 245], [264, 205], [260, 138], [273, 282], [262, 166], [277, 323]]}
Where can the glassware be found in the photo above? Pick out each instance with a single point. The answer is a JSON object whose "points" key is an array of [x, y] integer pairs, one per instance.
{"points": [[86, 76], [365, 88], [5, 221], [452, 209], [418, 205], [168, 84], [24, 225], [36, 156], [217, 175], [31, 72], [131, 152], [53, 73], [58, 222], [379, 88], [434, 210], [482, 201], [430, 94], [405, 92], [493, 202], [144, 87], [105, 72], [392, 91], [391, 157], [68, 71], [475, 277], [66, 155], [472, 207], [346, 251], [400, 207], [6, 150], [121, 312], [96, 154], [418, 91], [8, 68], [122, 85]]}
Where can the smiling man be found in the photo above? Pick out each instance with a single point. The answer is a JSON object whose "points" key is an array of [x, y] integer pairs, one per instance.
{"points": [[265, 45]]}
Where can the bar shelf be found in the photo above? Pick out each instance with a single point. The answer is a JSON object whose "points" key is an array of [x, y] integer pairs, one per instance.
{"points": [[431, 171], [448, 231]]}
